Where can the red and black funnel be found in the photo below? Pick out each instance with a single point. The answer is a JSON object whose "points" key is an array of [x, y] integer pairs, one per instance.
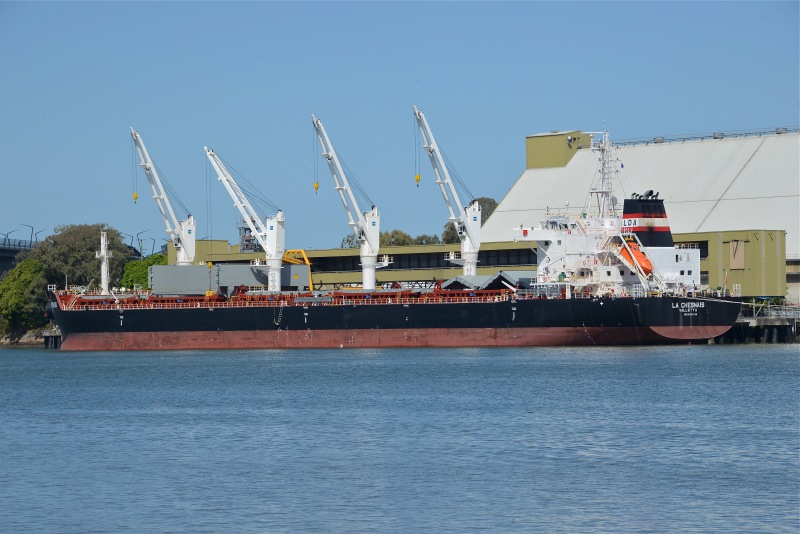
{"points": [[645, 216]]}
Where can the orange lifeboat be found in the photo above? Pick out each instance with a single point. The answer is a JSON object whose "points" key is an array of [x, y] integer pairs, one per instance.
{"points": [[639, 254]]}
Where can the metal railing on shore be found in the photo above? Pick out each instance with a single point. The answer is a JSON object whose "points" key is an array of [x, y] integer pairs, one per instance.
{"points": [[16, 244], [783, 312]]}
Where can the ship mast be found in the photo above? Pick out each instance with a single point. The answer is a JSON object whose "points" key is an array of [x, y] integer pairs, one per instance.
{"points": [[601, 195], [103, 254]]}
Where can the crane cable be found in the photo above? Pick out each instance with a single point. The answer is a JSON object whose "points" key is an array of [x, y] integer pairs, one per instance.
{"points": [[416, 151], [250, 190], [315, 159], [209, 181], [133, 173], [459, 183]]}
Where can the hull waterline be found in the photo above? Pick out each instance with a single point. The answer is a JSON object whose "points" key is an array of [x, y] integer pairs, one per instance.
{"points": [[502, 323]]}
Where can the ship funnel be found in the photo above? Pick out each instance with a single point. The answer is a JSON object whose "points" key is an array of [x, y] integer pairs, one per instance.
{"points": [[645, 216]]}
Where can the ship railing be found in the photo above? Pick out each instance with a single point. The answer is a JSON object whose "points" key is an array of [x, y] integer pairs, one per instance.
{"points": [[637, 291], [74, 302], [544, 291], [559, 291], [427, 298]]}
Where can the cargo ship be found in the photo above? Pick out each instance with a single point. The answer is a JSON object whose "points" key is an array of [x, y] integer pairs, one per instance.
{"points": [[445, 318], [601, 279]]}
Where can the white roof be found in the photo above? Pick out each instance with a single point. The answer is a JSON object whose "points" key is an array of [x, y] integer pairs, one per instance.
{"points": [[709, 185]]}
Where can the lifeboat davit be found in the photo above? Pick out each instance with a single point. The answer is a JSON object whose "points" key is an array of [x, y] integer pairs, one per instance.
{"points": [[639, 254]]}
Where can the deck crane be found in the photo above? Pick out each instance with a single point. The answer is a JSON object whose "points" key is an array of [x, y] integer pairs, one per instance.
{"points": [[367, 226], [468, 222], [270, 233], [181, 233]]}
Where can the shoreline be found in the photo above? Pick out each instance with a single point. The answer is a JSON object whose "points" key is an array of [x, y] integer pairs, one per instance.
{"points": [[31, 338]]}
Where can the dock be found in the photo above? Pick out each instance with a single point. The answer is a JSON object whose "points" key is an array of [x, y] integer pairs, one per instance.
{"points": [[764, 324], [52, 338]]}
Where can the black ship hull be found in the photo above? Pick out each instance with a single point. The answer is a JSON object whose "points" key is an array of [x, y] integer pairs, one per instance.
{"points": [[364, 323]]}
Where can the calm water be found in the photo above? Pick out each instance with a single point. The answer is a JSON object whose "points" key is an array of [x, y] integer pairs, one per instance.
{"points": [[699, 438]]}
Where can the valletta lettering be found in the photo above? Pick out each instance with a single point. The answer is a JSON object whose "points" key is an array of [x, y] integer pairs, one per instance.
{"points": [[688, 308]]}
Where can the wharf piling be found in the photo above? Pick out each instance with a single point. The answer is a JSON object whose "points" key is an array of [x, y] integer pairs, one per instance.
{"points": [[761, 330], [52, 338]]}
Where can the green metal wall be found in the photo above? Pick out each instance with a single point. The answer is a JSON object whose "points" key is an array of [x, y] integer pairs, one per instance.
{"points": [[553, 150], [755, 259]]}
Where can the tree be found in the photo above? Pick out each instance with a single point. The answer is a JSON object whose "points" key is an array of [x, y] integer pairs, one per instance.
{"points": [[488, 206], [136, 271], [396, 238], [351, 241], [449, 234], [426, 239], [23, 295], [68, 256]]}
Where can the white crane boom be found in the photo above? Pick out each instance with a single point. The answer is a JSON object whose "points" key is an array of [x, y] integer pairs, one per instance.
{"points": [[180, 232], [468, 222], [367, 225], [270, 234]]}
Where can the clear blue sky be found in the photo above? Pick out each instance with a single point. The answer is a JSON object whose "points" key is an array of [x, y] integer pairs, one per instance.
{"points": [[243, 78]]}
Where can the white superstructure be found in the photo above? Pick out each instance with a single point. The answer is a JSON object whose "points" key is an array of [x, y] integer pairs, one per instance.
{"points": [[596, 251]]}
